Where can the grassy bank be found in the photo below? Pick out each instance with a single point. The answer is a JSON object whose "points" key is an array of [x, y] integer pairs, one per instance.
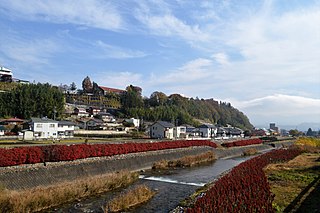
{"points": [[187, 161], [293, 183], [45, 197], [134, 197]]}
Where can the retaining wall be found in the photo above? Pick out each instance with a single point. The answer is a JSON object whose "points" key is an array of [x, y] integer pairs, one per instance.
{"points": [[33, 175]]}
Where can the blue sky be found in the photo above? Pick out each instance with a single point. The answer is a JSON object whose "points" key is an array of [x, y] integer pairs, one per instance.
{"points": [[262, 56]]}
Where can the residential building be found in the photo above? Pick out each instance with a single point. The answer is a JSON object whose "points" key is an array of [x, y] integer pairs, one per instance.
{"points": [[162, 129], [94, 123], [80, 112], [12, 121], [65, 129], [180, 132], [44, 128], [106, 117], [134, 121], [207, 130], [108, 90], [5, 74], [233, 132], [2, 130], [273, 127], [94, 110]]}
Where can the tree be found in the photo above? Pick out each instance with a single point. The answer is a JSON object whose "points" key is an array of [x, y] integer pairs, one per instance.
{"points": [[87, 85], [73, 86], [158, 98], [309, 132]]}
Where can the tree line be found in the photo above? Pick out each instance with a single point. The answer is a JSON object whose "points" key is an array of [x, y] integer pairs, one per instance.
{"points": [[32, 100]]}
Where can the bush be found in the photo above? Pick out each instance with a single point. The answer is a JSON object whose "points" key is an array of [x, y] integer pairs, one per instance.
{"points": [[242, 142], [245, 188], [54, 153]]}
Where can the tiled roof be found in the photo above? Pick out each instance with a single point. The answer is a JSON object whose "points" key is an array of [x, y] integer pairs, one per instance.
{"points": [[43, 120], [108, 89], [165, 124], [207, 126]]}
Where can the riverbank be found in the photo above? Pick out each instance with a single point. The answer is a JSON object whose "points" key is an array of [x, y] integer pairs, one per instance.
{"points": [[44, 174]]}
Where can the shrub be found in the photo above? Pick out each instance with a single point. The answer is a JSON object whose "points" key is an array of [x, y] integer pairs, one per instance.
{"points": [[245, 188], [54, 153]]}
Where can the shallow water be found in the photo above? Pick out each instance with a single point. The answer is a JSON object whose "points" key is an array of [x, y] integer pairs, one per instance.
{"points": [[172, 186]]}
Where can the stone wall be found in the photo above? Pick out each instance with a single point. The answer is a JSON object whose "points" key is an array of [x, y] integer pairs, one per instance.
{"points": [[33, 175], [28, 176]]}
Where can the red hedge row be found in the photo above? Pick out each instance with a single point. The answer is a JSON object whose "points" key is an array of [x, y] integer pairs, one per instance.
{"points": [[243, 142], [245, 188], [52, 153]]}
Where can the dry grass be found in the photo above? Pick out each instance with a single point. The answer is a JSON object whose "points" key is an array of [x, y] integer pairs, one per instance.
{"points": [[307, 141], [288, 180], [251, 151], [187, 161], [45, 197], [130, 199]]}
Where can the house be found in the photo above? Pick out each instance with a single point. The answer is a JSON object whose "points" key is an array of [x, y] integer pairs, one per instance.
{"points": [[2, 130], [80, 112], [94, 123], [207, 130], [134, 121], [44, 128], [94, 110], [233, 132], [106, 117], [12, 121], [161, 129], [108, 90], [180, 132], [65, 129]]}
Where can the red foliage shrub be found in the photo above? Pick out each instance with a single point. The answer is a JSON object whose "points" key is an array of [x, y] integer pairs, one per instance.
{"points": [[245, 188], [243, 142], [53, 153]]}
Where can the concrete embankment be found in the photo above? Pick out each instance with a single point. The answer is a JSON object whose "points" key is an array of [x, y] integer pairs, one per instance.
{"points": [[28, 176]]}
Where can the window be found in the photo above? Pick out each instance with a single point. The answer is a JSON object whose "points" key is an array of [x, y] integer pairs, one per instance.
{"points": [[39, 125], [51, 125]]}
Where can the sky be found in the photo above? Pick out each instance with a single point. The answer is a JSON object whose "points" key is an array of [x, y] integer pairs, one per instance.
{"points": [[261, 56]]}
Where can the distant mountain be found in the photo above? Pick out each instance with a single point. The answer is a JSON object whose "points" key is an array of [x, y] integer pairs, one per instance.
{"points": [[302, 127]]}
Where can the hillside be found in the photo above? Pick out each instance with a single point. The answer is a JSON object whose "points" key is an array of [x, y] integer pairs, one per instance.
{"points": [[181, 110]]}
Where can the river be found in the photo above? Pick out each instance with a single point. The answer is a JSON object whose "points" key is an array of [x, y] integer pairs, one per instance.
{"points": [[172, 186]]}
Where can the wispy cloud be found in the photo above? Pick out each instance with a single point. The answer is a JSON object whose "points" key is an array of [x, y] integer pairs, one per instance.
{"points": [[95, 13], [163, 22], [117, 79], [30, 52], [111, 51], [192, 71]]}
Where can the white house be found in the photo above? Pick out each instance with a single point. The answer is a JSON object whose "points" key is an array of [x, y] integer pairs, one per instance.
{"points": [[207, 130], [65, 129], [180, 132], [162, 129], [81, 112], [44, 128], [134, 121], [2, 130]]}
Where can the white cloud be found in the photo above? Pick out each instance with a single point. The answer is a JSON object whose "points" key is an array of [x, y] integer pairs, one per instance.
{"points": [[283, 109], [94, 13], [119, 80], [221, 58], [111, 51], [192, 71], [30, 52], [161, 21]]}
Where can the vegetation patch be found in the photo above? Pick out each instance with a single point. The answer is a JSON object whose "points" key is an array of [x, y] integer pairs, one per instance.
{"points": [[40, 198], [251, 151], [244, 189], [292, 182], [187, 161], [134, 197]]}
